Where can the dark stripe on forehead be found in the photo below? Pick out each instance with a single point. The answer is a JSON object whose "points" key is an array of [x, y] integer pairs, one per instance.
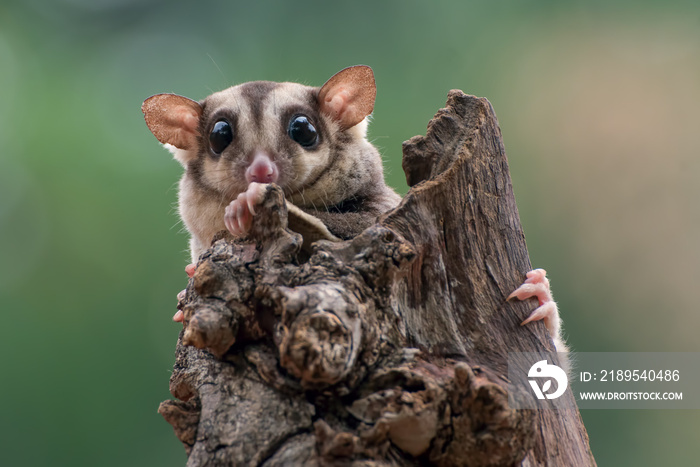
{"points": [[255, 93]]}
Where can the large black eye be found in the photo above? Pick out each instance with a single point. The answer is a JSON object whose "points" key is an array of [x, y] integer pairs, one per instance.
{"points": [[221, 136], [302, 131]]}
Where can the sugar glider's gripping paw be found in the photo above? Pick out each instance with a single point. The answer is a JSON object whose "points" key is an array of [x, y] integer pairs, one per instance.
{"points": [[537, 285], [239, 214], [179, 317]]}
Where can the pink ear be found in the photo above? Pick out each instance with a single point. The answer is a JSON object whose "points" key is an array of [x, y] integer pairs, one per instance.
{"points": [[173, 119], [348, 97]]}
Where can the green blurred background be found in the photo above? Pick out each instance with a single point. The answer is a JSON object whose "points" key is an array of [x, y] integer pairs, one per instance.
{"points": [[598, 103]]}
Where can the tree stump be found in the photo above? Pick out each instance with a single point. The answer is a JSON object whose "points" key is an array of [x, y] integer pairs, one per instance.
{"points": [[387, 349]]}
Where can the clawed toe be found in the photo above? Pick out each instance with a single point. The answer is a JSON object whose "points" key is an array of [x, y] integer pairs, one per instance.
{"points": [[539, 290], [537, 285], [238, 215], [545, 312]]}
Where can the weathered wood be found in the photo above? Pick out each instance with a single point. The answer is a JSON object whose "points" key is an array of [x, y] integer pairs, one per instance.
{"points": [[389, 349]]}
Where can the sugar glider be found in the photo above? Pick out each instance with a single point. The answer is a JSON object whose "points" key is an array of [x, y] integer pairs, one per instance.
{"points": [[311, 141]]}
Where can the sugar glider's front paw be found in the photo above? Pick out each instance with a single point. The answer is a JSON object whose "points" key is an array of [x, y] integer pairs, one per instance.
{"points": [[537, 285], [238, 216]]}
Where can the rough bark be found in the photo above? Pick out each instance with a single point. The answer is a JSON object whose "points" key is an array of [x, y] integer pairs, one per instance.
{"points": [[389, 349]]}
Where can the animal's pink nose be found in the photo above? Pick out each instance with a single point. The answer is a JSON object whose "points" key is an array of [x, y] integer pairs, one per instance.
{"points": [[262, 170]]}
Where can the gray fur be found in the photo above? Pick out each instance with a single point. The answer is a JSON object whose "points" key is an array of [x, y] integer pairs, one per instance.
{"points": [[340, 181]]}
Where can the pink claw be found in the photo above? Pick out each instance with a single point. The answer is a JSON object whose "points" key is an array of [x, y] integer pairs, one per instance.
{"points": [[238, 215], [537, 285], [179, 316]]}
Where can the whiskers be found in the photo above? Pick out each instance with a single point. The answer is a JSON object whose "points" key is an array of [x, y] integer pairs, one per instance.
{"points": [[220, 72], [179, 223]]}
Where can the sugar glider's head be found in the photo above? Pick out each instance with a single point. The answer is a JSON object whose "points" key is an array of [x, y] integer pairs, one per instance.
{"points": [[283, 133]]}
